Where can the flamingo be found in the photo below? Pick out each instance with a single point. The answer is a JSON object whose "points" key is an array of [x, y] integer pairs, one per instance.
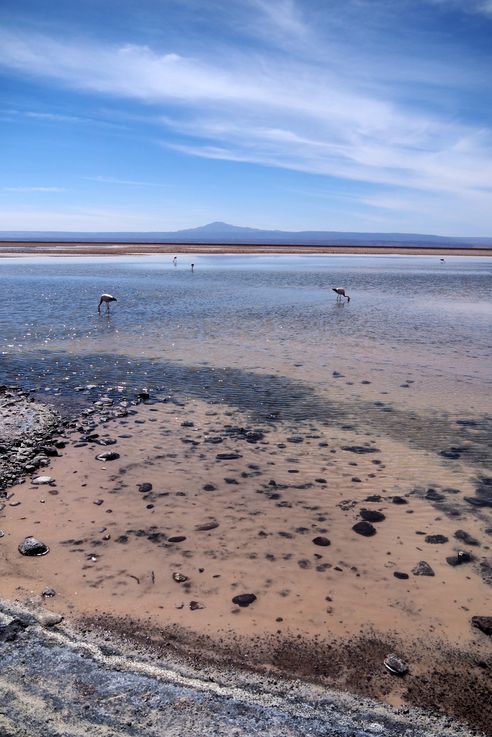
{"points": [[107, 298], [340, 293]]}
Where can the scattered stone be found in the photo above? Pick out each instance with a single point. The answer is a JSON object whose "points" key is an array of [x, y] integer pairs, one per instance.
{"points": [[48, 593], [40, 480], [399, 500], [47, 618], [476, 501], [209, 487], [460, 558], [244, 600], [228, 456], [401, 575], [187, 423], [207, 526], [194, 605], [466, 538], [50, 450], [360, 449], [179, 577], [395, 665], [484, 624], [322, 541], [143, 395], [145, 487], [364, 528], [371, 515], [436, 539], [434, 496], [452, 453], [110, 455], [31, 547], [422, 569], [177, 539]]}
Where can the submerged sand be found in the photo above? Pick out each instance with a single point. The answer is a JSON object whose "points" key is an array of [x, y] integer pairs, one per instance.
{"points": [[237, 507]]}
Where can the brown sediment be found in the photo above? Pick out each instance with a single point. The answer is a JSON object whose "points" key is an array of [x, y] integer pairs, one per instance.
{"points": [[85, 248], [235, 508]]}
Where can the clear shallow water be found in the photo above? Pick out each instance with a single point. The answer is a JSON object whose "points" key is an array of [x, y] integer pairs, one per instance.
{"points": [[238, 315]]}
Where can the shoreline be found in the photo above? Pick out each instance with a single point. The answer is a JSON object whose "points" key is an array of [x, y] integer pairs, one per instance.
{"points": [[351, 666], [61, 248], [109, 680]]}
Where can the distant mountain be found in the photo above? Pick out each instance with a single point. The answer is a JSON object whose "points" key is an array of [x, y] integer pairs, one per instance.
{"points": [[223, 233]]}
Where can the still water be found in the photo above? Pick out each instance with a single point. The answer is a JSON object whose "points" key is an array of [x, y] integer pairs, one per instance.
{"points": [[239, 321]]}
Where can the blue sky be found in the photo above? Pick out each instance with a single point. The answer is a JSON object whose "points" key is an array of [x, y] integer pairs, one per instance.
{"points": [[367, 115]]}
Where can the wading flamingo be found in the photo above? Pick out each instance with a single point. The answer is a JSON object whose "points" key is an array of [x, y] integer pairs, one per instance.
{"points": [[340, 293], [107, 298]]}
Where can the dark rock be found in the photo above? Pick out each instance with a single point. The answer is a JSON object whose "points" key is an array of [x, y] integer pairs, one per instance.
{"points": [[177, 539], [395, 665], [209, 487], [228, 456], [459, 559], [476, 501], [364, 528], [145, 487], [187, 423], [436, 539], [106, 441], [295, 439], [33, 547], [371, 515], [451, 453], [466, 538], [244, 600], [179, 577], [48, 593], [484, 624], [110, 455], [422, 569], [399, 500], [194, 605], [50, 450], [360, 449], [254, 436], [322, 541], [143, 395], [9, 632], [434, 496], [401, 575]]}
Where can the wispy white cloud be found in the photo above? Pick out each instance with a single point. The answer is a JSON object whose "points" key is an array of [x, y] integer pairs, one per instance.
{"points": [[128, 182], [318, 111], [482, 7], [33, 189]]}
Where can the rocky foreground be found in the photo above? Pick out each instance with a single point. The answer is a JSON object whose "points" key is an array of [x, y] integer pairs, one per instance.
{"points": [[139, 615], [57, 683]]}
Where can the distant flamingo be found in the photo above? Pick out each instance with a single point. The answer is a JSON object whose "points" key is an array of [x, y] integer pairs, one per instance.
{"points": [[107, 298], [340, 293]]}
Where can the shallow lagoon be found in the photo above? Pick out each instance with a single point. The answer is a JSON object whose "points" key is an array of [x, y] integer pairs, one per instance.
{"points": [[258, 313]]}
